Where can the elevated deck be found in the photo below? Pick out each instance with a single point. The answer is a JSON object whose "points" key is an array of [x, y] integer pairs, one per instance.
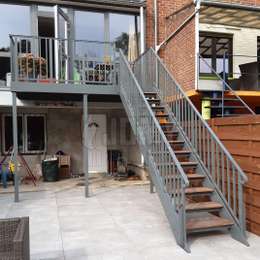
{"points": [[64, 66]]}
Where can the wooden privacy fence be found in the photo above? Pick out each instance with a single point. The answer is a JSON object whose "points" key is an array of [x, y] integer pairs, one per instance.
{"points": [[241, 136]]}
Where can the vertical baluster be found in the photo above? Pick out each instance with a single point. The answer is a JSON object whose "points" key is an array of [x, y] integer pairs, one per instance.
{"points": [[223, 172], [40, 58], [46, 58], [213, 158], [51, 43], [208, 150], [234, 184], [200, 141], [241, 209], [217, 166], [27, 59], [228, 182], [204, 143]]}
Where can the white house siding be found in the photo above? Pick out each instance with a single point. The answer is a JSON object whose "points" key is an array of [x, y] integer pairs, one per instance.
{"points": [[244, 43]]}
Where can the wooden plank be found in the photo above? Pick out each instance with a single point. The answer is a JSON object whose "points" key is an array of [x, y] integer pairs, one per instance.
{"points": [[241, 136], [207, 222], [198, 190], [207, 205]]}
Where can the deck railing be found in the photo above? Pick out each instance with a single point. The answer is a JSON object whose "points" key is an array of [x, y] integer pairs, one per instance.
{"points": [[222, 170], [61, 61]]}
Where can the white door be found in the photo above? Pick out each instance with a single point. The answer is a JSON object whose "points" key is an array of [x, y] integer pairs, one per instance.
{"points": [[97, 143]]}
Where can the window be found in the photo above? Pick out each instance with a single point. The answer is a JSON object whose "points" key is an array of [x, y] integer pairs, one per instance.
{"points": [[31, 133], [14, 19], [120, 27], [213, 47]]}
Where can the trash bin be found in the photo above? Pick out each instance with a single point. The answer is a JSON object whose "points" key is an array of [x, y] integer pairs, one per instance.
{"points": [[50, 170]]}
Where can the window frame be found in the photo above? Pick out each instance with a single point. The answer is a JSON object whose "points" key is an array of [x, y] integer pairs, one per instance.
{"points": [[213, 57], [25, 133]]}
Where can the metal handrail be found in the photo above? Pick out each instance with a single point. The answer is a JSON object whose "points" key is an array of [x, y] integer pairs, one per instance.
{"points": [[11, 36], [227, 86], [215, 160], [183, 175], [165, 170]]}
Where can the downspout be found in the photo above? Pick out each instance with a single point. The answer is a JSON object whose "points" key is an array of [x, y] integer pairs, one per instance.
{"points": [[155, 26], [197, 43]]}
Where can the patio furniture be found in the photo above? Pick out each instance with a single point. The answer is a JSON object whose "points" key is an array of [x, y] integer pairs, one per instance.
{"points": [[14, 239]]}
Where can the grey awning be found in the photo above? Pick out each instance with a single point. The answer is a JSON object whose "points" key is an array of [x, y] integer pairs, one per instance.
{"points": [[109, 5], [227, 13]]}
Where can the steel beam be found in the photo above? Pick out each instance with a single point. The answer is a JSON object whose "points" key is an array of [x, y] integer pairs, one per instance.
{"points": [[85, 144], [15, 148], [69, 88]]}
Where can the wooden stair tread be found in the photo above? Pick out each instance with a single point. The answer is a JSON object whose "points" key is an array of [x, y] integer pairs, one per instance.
{"points": [[161, 115], [171, 132], [198, 190], [182, 152], [166, 123], [207, 222], [208, 205], [193, 176], [189, 164], [153, 100], [190, 176], [176, 142], [158, 107], [150, 93]]}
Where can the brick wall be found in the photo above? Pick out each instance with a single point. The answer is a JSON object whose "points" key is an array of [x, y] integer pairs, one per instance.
{"points": [[179, 53]]}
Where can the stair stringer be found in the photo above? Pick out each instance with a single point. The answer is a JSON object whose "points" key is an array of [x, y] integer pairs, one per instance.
{"points": [[166, 201]]}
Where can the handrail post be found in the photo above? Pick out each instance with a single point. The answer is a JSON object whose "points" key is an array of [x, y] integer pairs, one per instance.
{"points": [[223, 84]]}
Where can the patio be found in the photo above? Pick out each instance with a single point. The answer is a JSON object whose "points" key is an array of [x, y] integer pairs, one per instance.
{"points": [[121, 221]]}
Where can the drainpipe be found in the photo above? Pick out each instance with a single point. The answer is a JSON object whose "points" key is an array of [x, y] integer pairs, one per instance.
{"points": [[197, 43], [155, 25], [142, 30]]}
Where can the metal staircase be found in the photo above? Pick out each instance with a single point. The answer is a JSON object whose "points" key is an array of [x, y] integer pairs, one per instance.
{"points": [[198, 182], [225, 103]]}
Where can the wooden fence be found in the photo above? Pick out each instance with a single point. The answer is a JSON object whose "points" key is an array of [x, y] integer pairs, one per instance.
{"points": [[241, 136]]}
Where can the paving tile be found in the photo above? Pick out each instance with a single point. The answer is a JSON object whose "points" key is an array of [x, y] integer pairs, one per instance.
{"points": [[123, 223]]}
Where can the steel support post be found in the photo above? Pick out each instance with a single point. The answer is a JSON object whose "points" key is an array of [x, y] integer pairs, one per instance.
{"points": [[85, 143], [15, 148]]}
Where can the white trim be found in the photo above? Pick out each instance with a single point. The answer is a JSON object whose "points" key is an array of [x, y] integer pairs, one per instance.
{"points": [[142, 30]]}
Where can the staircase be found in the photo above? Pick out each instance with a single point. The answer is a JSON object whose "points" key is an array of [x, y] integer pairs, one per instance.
{"points": [[225, 103], [198, 182], [231, 107]]}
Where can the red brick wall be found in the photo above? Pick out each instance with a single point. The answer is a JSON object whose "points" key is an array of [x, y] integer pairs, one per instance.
{"points": [[179, 53]]}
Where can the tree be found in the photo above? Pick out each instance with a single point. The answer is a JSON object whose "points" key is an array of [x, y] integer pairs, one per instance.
{"points": [[122, 42]]}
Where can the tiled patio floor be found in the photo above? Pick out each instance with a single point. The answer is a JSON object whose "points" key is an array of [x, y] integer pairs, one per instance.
{"points": [[115, 223]]}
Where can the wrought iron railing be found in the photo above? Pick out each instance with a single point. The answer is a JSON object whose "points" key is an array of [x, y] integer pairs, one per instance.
{"points": [[225, 85], [157, 151], [220, 167], [52, 60]]}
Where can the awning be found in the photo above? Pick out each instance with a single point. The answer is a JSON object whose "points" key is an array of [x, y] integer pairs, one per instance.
{"points": [[128, 6], [230, 14]]}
